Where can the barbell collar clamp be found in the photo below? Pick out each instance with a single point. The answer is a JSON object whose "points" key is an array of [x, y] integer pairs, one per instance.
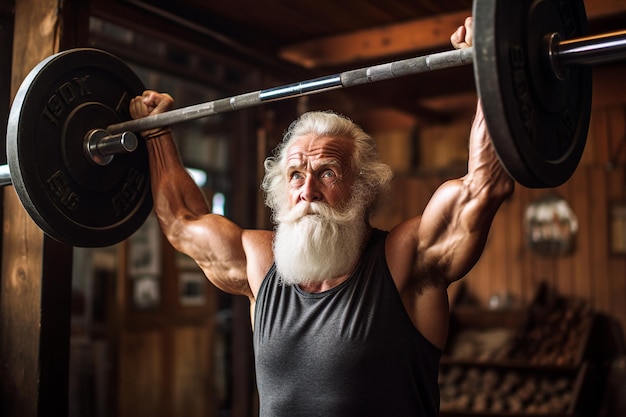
{"points": [[100, 147], [552, 42]]}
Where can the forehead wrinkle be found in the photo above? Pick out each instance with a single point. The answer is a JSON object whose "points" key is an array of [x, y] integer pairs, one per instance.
{"points": [[315, 151], [314, 164]]}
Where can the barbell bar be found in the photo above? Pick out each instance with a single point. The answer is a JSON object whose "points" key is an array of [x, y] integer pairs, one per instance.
{"points": [[396, 69], [86, 187], [599, 49]]}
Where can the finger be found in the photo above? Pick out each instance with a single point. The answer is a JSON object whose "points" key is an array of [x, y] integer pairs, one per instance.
{"points": [[138, 108], [457, 38], [157, 102], [150, 98], [469, 31]]}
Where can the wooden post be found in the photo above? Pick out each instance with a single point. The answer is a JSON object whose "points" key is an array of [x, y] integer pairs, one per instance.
{"points": [[6, 48], [243, 204], [35, 292]]}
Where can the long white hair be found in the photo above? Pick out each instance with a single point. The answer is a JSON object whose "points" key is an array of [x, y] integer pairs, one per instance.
{"points": [[315, 242]]}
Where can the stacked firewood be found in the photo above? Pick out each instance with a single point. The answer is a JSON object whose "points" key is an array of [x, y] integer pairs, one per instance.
{"points": [[485, 390]]}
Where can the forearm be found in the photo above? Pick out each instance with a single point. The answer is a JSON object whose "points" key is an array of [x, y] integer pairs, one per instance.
{"points": [[481, 193], [486, 177], [174, 192]]}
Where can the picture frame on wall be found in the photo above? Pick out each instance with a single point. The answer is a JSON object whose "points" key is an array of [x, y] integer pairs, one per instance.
{"points": [[192, 289], [144, 265], [144, 250], [146, 292]]}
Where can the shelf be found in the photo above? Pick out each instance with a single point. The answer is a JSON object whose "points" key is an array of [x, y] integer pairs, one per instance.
{"points": [[512, 363]]}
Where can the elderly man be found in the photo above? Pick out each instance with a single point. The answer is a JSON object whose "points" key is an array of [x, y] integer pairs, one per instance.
{"points": [[347, 320]]}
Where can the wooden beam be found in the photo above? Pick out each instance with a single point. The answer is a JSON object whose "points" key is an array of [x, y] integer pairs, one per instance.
{"points": [[6, 53], [598, 9], [411, 37], [22, 248], [416, 35]]}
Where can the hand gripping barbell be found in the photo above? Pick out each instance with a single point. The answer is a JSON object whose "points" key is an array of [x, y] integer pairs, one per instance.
{"points": [[70, 116]]}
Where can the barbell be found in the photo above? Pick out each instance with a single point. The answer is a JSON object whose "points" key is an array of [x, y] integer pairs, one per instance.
{"points": [[83, 176]]}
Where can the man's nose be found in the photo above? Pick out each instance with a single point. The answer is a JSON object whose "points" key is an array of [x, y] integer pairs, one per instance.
{"points": [[310, 189]]}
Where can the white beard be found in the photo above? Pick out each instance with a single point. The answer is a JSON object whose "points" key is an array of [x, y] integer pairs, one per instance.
{"points": [[314, 242]]}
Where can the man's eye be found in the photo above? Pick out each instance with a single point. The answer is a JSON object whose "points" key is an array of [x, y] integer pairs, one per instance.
{"points": [[296, 176], [328, 174]]}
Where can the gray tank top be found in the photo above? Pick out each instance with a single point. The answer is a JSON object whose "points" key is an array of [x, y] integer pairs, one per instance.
{"points": [[351, 351]]}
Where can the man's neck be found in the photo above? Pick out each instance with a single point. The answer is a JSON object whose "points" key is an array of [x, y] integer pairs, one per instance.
{"points": [[325, 285]]}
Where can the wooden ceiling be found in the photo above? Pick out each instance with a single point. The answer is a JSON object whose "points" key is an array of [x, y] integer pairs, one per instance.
{"points": [[320, 37]]}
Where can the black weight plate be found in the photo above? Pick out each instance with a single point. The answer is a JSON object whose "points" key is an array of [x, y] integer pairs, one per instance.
{"points": [[70, 198], [538, 123]]}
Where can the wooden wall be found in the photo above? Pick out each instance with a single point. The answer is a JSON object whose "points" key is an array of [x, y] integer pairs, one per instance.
{"points": [[508, 265], [164, 350]]}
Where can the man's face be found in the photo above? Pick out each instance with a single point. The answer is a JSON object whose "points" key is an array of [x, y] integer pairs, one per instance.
{"points": [[318, 170]]}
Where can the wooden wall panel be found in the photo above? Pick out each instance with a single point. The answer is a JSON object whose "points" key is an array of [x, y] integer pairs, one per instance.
{"points": [[164, 354], [581, 285], [617, 264], [193, 394], [141, 376]]}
